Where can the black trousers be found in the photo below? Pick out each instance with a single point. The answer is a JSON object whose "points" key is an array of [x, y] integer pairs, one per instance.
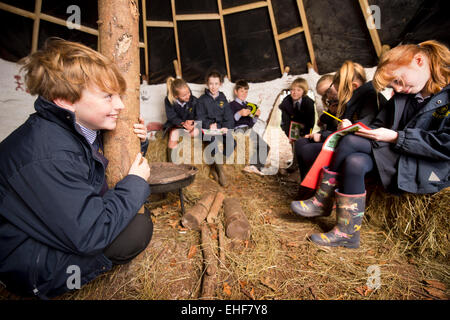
{"points": [[306, 152], [132, 240]]}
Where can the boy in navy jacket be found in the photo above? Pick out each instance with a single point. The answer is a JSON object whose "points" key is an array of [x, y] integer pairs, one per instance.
{"points": [[215, 113], [245, 120], [56, 211]]}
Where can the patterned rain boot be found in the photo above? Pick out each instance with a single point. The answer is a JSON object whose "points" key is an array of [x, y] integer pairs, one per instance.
{"points": [[321, 204], [349, 213]]}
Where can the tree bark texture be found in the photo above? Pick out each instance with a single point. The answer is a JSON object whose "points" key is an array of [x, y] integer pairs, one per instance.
{"points": [[119, 40]]}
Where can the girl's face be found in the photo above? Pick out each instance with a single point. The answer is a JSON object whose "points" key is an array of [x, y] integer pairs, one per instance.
{"points": [[412, 78], [214, 85], [184, 94], [296, 92]]}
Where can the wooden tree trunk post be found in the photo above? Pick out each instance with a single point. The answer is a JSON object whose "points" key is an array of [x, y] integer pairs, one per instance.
{"points": [[119, 40], [210, 260]]}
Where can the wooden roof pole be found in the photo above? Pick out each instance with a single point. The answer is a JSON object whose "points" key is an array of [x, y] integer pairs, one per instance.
{"points": [[275, 35], [119, 41], [373, 31], [175, 32], [144, 29], [37, 20], [224, 39], [301, 9]]}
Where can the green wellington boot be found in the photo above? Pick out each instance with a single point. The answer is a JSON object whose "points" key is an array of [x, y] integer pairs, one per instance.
{"points": [[349, 215], [321, 204]]}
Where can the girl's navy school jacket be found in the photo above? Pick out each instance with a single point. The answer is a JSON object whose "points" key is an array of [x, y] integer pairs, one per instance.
{"points": [[52, 216], [176, 114], [419, 162], [216, 110], [306, 114], [364, 104]]}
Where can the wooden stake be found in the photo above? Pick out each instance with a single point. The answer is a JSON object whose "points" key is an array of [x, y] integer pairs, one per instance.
{"points": [[195, 215], [210, 261], [119, 41], [215, 207]]}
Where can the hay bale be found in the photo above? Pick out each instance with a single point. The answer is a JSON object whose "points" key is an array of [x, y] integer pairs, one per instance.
{"points": [[157, 148], [421, 221]]}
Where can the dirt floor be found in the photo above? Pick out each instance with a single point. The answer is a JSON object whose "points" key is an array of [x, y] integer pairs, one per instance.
{"points": [[278, 262]]}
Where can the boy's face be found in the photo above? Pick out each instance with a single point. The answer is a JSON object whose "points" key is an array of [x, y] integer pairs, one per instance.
{"points": [[97, 110], [241, 94], [214, 85], [296, 92]]}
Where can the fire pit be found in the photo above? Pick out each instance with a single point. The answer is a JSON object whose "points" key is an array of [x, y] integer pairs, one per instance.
{"points": [[169, 177]]}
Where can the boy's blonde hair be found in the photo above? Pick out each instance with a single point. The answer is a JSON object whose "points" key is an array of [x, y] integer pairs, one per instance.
{"points": [[437, 54], [173, 87], [343, 81], [62, 69], [302, 83]]}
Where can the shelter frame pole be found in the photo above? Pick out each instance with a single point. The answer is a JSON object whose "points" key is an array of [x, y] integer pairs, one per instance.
{"points": [[275, 35], [373, 31], [224, 38], [301, 9]]}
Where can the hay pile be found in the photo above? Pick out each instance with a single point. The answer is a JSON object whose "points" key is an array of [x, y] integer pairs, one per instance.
{"points": [[421, 222]]}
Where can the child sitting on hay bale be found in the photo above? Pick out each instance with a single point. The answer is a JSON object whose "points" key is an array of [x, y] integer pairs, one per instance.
{"points": [[180, 107], [408, 146], [60, 226], [215, 114]]}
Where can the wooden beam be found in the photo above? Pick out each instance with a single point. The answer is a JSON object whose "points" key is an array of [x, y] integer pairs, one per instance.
{"points": [[144, 27], [290, 33], [159, 24], [373, 31], [245, 7], [201, 16], [63, 22], [224, 39], [175, 32], [35, 36], [309, 43], [18, 11], [275, 35]]}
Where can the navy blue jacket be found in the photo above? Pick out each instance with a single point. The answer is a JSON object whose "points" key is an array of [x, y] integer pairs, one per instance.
{"points": [[364, 104], [177, 114], [210, 110], [420, 160], [51, 213], [236, 107], [305, 116]]}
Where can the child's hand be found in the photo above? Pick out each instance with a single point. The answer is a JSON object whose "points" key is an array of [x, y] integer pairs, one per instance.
{"points": [[224, 130], [344, 124], [244, 112], [380, 134], [315, 136], [257, 113], [140, 167], [140, 129]]}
